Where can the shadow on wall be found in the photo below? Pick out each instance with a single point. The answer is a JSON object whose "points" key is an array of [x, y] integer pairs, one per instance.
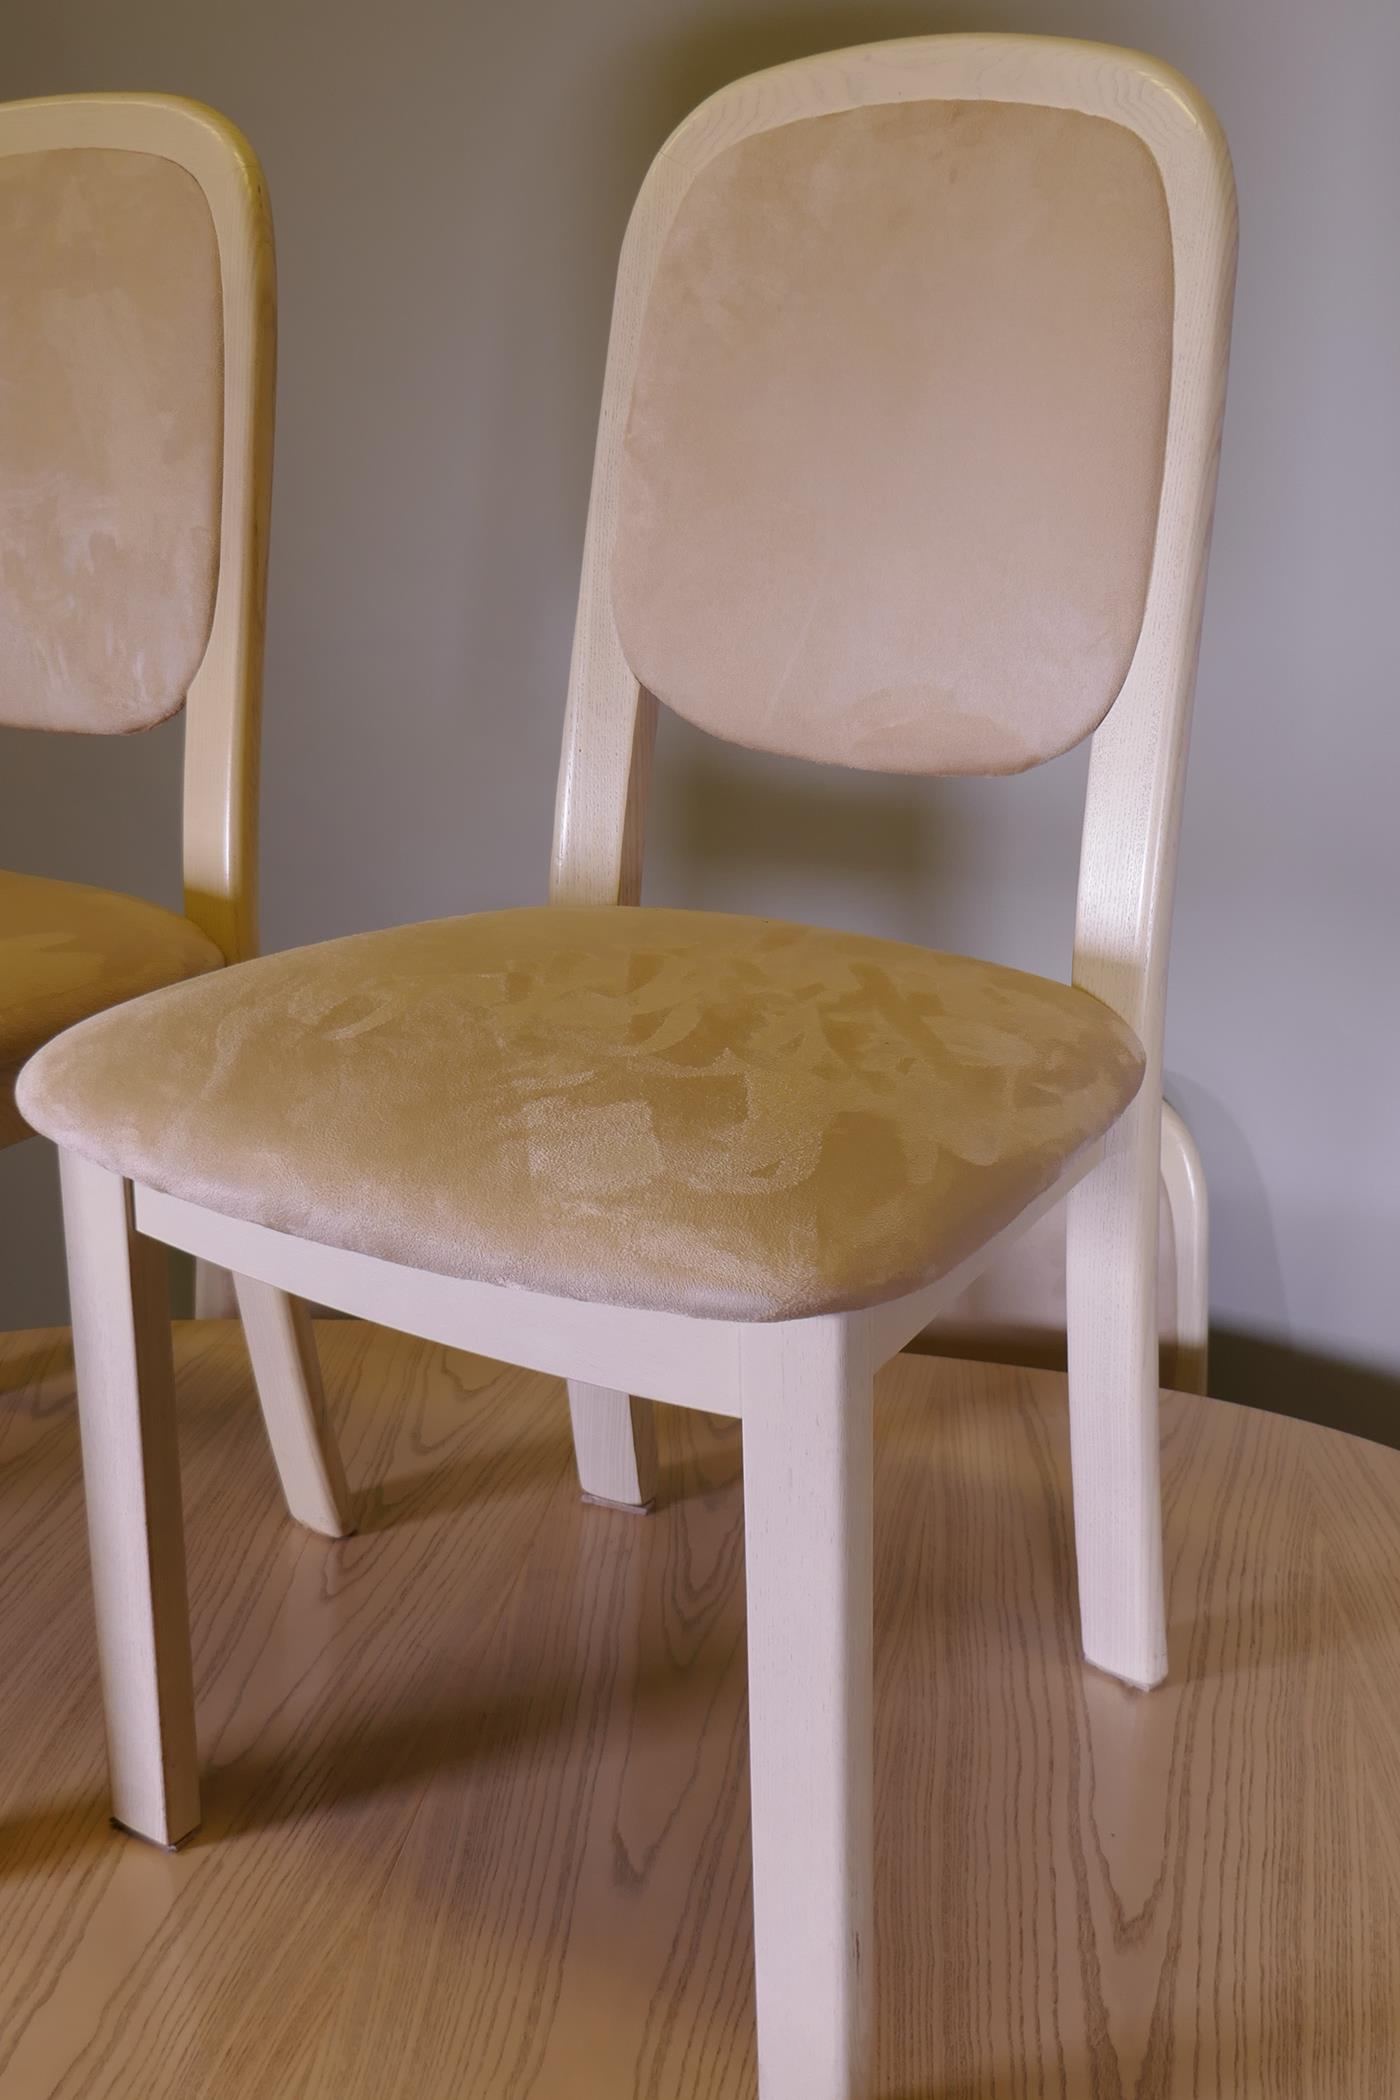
{"points": [[1254, 1370], [1287, 1380], [729, 46], [743, 836], [741, 831], [982, 867]]}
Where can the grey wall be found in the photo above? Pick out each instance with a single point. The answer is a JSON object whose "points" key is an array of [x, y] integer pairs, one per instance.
{"points": [[450, 183]]}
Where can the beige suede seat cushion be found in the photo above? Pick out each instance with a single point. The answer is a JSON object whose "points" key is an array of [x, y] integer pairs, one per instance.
{"points": [[67, 951], [718, 1116]]}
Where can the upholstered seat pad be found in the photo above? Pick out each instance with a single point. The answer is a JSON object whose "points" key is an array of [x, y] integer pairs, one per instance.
{"points": [[67, 951], [111, 436], [720, 1116]]}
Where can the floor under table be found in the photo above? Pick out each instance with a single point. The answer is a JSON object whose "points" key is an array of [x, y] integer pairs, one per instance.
{"points": [[476, 1812]]}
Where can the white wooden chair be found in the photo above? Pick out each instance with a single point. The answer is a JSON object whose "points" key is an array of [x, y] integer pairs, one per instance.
{"points": [[138, 324], [907, 460]]}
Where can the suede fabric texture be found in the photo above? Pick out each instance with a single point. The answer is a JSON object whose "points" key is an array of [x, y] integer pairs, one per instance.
{"points": [[111, 437], [894, 452], [719, 1116], [67, 951]]}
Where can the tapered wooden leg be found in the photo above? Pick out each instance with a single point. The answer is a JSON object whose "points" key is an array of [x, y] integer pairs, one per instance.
{"points": [[1188, 1205], [808, 1535], [287, 1373], [119, 1294], [614, 1445], [213, 1292], [1112, 1334]]}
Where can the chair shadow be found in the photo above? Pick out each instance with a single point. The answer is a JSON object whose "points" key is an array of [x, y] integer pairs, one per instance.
{"points": [[31, 1371], [54, 1838], [432, 1739], [451, 1490]]}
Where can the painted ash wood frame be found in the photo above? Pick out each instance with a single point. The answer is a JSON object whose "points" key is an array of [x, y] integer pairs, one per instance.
{"points": [[223, 707], [801, 1388]]}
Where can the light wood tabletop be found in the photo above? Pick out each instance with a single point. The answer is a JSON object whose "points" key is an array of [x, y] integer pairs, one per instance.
{"points": [[476, 1798]]}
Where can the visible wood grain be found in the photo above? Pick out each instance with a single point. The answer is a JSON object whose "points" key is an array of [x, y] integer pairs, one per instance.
{"points": [[225, 698], [614, 1445], [223, 713], [119, 1292], [282, 1351], [808, 1550], [224, 703], [1014, 1312], [1111, 1331], [614, 1433], [476, 1791], [691, 1363], [1137, 768]]}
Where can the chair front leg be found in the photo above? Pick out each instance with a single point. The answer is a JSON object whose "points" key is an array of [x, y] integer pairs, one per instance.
{"points": [[614, 1446], [808, 1537], [120, 1300], [287, 1373], [1111, 1266]]}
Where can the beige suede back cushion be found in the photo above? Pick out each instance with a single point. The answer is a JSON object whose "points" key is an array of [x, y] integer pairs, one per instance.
{"points": [[892, 464], [111, 437]]}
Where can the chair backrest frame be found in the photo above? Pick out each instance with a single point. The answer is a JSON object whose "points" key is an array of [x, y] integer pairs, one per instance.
{"points": [[224, 701], [1137, 765]]}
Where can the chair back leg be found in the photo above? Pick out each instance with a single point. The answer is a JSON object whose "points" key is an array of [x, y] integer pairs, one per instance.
{"points": [[119, 1293], [287, 1373], [1111, 1275], [808, 1542], [614, 1446], [1187, 1367]]}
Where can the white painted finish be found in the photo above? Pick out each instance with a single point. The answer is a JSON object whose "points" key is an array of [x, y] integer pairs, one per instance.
{"points": [[118, 1290], [809, 1552], [1014, 1311], [223, 709], [287, 1373], [1133, 805], [614, 1433], [624, 1350], [690, 1363], [614, 1446], [803, 1388], [894, 1325], [1111, 1294], [1122, 938], [224, 704], [1188, 1206], [1306, 629]]}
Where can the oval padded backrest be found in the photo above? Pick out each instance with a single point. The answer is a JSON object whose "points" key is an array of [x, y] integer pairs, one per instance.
{"points": [[891, 468], [111, 437]]}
